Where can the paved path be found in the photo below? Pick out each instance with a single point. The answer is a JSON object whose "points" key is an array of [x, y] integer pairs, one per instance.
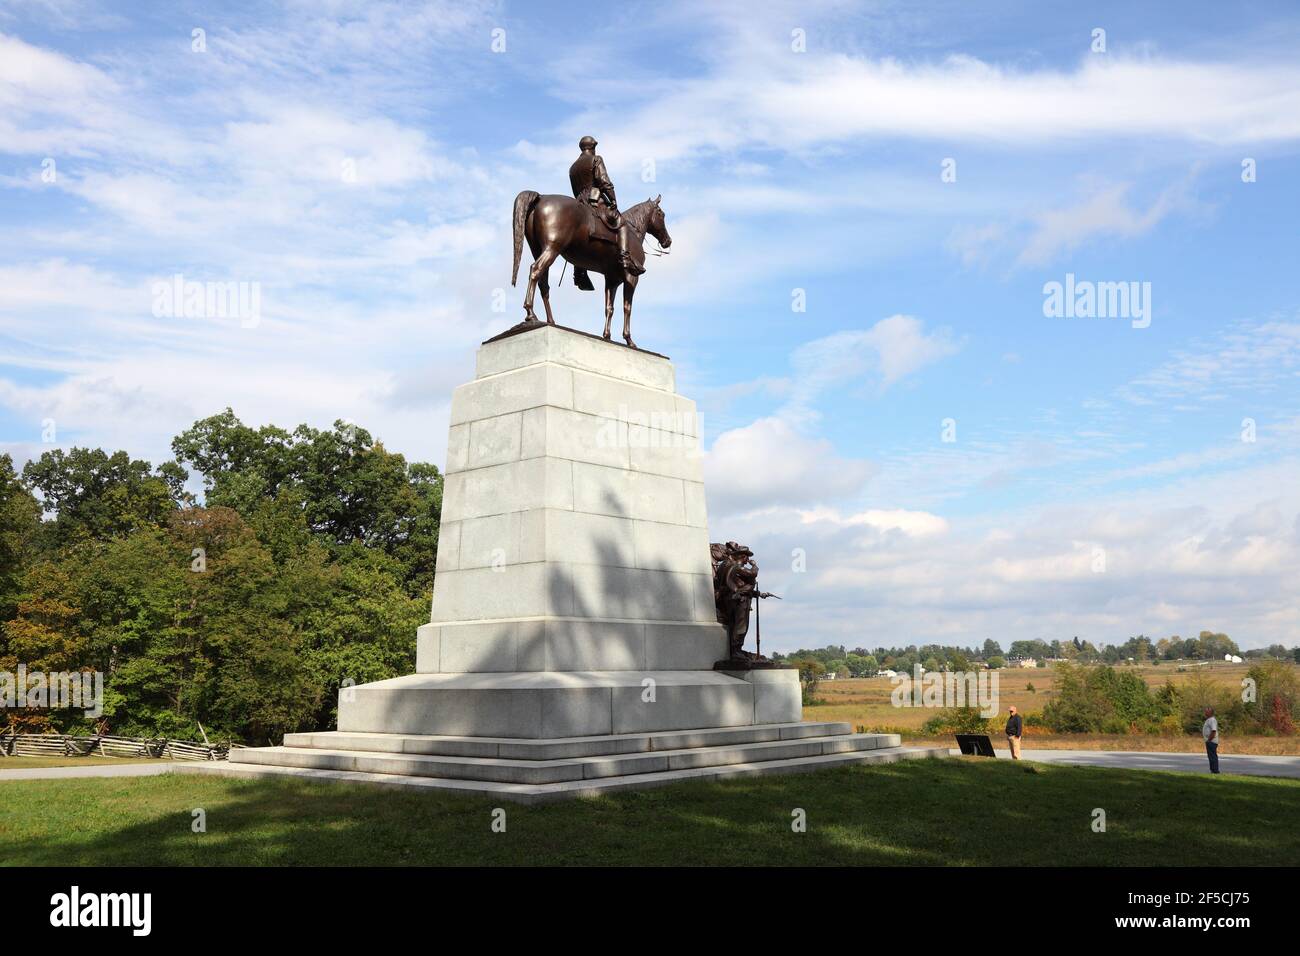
{"points": [[1248, 765], [93, 770]]}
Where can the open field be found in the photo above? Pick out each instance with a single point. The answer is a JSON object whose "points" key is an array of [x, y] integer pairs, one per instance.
{"points": [[913, 813], [866, 703]]}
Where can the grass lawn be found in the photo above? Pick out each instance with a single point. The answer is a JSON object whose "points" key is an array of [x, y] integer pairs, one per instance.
{"points": [[959, 811], [30, 763]]}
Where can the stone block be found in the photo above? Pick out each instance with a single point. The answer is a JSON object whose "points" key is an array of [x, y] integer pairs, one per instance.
{"points": [[575, 537], [514, 486], [495, 441], [492, 541], [428, 649], [448, 546], [627, 494], [777, 694], [668, 454], [457, 449], [595, 645], [632, 406], [514, 391], [684, 646], [514, 590], [576, 351], [671, 547]]}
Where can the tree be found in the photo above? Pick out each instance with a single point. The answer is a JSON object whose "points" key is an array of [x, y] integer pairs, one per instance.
{"points": [[996, 661], [1277, 696], [992, 649], [1212, 646], [862, 665], [20, 523], [349, 487], [1034, 648], [811, 672], [96, 495]]}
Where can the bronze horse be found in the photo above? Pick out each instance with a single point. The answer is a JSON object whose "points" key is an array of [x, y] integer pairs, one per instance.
{"points": [[561, 226]]}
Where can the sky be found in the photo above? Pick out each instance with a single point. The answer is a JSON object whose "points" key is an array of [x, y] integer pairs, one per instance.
{"points": [[868, 202]]}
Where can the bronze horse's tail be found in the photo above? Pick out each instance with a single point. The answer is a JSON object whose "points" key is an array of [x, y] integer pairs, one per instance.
{"points": [[524, 203]]}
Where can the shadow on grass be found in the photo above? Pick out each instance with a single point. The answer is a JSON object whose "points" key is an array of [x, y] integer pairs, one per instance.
{"points": [[953, 812]]}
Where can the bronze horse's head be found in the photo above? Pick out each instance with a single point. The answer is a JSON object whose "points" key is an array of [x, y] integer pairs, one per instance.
{"points": [[655, 224]]}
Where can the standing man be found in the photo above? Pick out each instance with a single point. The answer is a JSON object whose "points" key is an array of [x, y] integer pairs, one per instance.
{"points": [[1210, 731], [1015, 727]]}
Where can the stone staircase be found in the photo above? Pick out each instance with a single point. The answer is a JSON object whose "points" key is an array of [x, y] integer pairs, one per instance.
{"points": [[541, 770]]}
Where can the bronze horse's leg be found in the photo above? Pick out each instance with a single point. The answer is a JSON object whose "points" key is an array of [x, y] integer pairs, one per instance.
{"points": [[611, 284], [537, 272], [629, 290], [544, 282]]}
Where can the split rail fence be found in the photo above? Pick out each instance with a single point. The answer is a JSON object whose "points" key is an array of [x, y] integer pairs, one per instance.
{"points": [[107, 745]]}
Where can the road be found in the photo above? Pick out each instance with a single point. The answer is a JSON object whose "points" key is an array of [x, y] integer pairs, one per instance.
{"points": [[92, 770], [1244, 764]]}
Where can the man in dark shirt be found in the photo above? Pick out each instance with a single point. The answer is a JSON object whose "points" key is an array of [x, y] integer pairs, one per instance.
{"points": [[1014, 729]]}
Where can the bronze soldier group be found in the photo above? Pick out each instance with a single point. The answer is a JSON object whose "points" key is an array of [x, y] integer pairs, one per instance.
{"points": [[735, 588]]}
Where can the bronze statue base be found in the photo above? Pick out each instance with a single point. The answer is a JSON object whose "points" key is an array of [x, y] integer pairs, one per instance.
{"points": [[527, 326]]}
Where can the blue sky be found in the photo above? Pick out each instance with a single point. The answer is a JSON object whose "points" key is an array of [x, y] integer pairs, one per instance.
{"points": [[1099, 483]]}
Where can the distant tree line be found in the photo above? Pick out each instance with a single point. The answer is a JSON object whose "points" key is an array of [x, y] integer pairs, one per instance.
{"points": [[864, 662], [309, 561]]}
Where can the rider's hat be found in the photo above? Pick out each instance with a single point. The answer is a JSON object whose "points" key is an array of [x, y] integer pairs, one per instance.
{"points": [[587, 142]]}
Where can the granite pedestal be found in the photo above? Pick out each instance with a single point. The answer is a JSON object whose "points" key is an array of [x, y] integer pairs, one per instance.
{"points": [[573, 597]]}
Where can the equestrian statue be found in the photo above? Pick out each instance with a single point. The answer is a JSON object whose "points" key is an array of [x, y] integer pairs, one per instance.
{"points": [[588, 231]]}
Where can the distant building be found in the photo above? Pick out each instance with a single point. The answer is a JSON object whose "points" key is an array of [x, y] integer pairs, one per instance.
{"points": [[1021, 662]]}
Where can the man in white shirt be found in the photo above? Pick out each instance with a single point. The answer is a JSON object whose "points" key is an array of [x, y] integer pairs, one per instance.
{"points": [[1210, 731]]}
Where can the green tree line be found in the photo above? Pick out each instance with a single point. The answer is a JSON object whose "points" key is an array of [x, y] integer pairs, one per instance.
{"points": [[864, 662], [308, 562]]}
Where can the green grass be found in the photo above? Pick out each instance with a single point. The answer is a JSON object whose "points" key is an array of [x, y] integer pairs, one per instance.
{"points": [[961, 811]]}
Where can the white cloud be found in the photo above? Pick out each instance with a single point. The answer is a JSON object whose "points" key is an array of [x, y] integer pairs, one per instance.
{"points": [[769, 462], [1171, 566], [761, 96], [776, 459], [885, 353], [912, 523], [1245, 358], [1104, 213]]}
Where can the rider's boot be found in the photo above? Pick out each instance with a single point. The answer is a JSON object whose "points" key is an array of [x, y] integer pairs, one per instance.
{"points": [[625, 257]]}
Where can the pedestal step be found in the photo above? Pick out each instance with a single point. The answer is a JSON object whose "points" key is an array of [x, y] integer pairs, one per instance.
{"points": [[538, 769], [549, 792], [508, 770], [556, 748]]}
